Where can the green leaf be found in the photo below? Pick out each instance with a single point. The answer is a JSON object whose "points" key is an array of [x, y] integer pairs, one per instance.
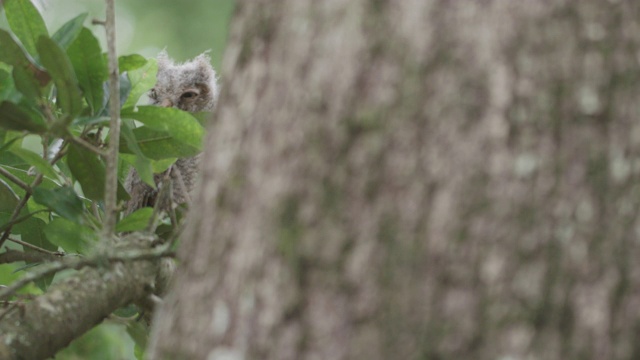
{"points": [[69, 31], [39, 211], [130, 62], [158, 145], [63, 201], [13, 54], [122, 194], [159, 166], [8, 138], [128, 311], [129, 137], [9, 160], [141, 163], [26, 22], [8, 198], [26, 83], [9, 274], [36, 160], [70, 236], [8, 89], [181, 125], [32, 231], [125, 88], [56, 61], [24, 175], [139, 332], [142, 80], [91, 120], [44, 282], [106, 341], [21, 118], [138, 220], [89, 170], [89, 66]]}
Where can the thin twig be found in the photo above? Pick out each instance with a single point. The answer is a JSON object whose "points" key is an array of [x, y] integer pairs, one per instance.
{"points": [[9, 309], [11, 256], [173, 239], [36, 248], [15, 179], [78, 263], [45, 146], [45, 106], [94, 209], [175, 170], [85, 144], [157, 208], [111, 183], [16, 212], [8, 225], [164, 199]]}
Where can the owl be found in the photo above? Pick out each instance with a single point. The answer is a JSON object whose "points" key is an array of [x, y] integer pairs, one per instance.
{"points": [[190, 86]]}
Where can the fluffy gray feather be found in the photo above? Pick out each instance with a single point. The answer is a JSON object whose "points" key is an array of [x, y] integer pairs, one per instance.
{"points": [[190, 86]]}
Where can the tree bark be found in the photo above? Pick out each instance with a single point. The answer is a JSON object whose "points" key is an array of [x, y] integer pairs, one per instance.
{"points": [[38, 329], [417, 180]]}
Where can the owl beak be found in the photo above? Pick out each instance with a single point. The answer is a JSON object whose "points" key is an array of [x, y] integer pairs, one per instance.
{"points": [[166, 103]]}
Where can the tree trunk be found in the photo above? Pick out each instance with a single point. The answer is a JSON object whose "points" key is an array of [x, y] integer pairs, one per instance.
{"points": [[417, 180]]}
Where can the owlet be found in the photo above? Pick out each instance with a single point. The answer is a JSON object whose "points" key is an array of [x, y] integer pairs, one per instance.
{"points": [[191, 86]]}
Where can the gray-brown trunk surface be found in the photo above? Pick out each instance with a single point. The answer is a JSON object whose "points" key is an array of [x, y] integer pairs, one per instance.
{"points": [[418, 180]]}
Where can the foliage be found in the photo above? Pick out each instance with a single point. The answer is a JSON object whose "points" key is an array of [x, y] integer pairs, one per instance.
{"points": [[147, 28], [54, 130]]}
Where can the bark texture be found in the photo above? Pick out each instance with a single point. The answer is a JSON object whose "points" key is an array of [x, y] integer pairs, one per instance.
{"points": [[38, 329], [425, 179]]}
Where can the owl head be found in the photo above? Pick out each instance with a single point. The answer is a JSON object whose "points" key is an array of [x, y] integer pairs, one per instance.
{"points": [[190, 86]]}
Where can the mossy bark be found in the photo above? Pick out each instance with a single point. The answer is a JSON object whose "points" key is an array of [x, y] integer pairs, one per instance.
{"points": [[417, 180], [39, 328]]}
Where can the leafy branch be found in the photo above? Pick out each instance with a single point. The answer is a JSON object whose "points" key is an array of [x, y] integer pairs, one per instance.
{"points": [[63, 187]]}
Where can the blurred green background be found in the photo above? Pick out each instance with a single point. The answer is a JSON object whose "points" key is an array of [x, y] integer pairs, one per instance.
{"points": [[185, 28]]}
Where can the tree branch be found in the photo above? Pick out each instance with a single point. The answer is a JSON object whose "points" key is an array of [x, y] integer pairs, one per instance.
{"points": [[76, 304], [87, 145], [111, 184], [15, 180], [36, 248], [79, 263], [11, 256]]}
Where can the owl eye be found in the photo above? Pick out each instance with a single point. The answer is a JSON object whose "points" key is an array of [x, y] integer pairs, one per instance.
{"points": [[189, 95], [153, 94]]}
